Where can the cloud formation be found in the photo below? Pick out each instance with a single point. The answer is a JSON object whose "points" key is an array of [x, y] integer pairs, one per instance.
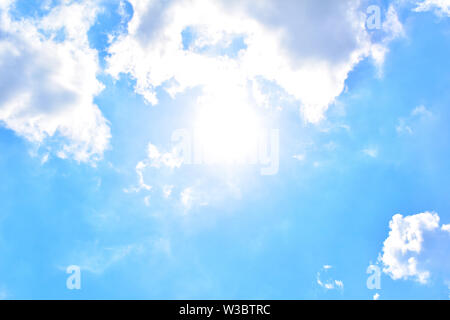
{"points": [[417, 248], [306, 48], [48, 80], [155, 159]]}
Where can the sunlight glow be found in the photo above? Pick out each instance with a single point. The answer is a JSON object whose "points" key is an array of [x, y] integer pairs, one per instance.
{"points": [[228, 131]]}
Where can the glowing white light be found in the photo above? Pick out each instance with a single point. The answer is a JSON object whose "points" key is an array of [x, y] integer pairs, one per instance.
{"points": [[228, 130]]}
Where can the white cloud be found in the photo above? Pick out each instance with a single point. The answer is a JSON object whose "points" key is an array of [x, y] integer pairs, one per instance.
{"points": [[155, 159], [299, 157], [193, 193], [392, 25], [376, 296], [371, 152], [191, 197], [48, 84], [403, 127], [147, 201], [339, 284], [286, 43], [325, 280], [96, 258], [187, 197], [421, 111], [393, 29], [167, 190], [440, 7], [167, 159], [406, 125], [140, 168], [417, 247]]}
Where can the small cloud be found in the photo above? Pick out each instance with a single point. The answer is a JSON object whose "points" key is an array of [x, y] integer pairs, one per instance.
{"points": [[346, 127], [421, 111], [402, 127], [155, 159], [339, 284], [405, 125], [376, 296], [371, 152], [186, 197], [97, 259], [327, 282], [168, 159], [190, 198], [44, 158], [140, 167], [167, 191], [299, 157]]}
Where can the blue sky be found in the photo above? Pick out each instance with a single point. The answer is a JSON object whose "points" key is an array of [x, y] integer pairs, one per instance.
{"points": [[91, 175]]}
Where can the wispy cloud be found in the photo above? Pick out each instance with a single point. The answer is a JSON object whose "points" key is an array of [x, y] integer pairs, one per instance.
{"points": [[326, 281], [299, 157], [371, 152], [407, 125], [440, 7]]}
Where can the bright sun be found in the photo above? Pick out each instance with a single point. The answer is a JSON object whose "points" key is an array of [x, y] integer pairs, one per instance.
{"points": [[228, 133]]}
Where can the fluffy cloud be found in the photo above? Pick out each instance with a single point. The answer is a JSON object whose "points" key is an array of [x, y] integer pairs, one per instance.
{"points": [[417, 248], [306, 48], [48, 80], [167, 159]]}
